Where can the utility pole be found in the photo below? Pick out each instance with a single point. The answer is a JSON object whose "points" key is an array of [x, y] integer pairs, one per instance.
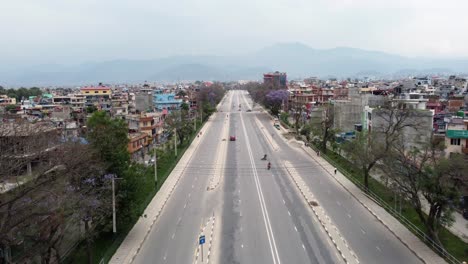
{"points": [[114, 222], [155, 169], [175, 141], [195, 120]]}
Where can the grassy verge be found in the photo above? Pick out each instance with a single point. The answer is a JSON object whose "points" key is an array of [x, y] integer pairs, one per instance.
{"points": [[106, 244], [452, 243]]}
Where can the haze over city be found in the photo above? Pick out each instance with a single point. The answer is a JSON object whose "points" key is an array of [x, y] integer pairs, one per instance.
{"points": [[233, 132], [73, 32]]}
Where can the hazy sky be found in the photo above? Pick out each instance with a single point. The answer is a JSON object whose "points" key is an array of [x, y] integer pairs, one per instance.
{"points": [[74, 31]]}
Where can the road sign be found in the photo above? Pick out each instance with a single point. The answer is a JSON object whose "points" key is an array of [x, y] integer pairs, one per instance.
{"points": [[201, 240]]}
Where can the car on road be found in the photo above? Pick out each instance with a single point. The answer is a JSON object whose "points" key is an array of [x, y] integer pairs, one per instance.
{"points": [[232, 138], [250, 110]]}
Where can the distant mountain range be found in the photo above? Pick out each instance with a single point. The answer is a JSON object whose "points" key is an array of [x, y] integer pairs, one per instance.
{"points": [[298, 60]]}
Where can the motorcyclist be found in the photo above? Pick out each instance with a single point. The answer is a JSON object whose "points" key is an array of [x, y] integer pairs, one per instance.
{"points": [[264, 157], [269, 165]]}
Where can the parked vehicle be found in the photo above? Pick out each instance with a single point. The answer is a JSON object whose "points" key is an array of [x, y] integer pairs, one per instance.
{"points": [[232, 138]]}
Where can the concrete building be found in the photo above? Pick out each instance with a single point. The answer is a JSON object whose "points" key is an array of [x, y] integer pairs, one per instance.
{"points": [[5, 100], [98, 96], [456, 136], [144, 102], [166, 101], [275, 79], [136, 145]]}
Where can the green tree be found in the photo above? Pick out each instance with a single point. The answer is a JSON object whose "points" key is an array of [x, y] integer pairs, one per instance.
{"points": [[425, 173], [178, 120], [11, 108], [91, 109], [110, 138], [390, 126], [324, 131], [184, 106]]}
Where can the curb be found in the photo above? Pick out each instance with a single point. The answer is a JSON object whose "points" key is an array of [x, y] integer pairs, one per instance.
{"points": [[188, 157], [367, 208]]}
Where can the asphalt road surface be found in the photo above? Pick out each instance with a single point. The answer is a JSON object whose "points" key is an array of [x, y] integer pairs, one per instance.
{"points": [[260, 216]]}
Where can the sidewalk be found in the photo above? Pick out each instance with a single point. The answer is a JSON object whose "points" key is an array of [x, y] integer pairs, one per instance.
{"points": [[460, 224], [130, 247], [412, 242]]}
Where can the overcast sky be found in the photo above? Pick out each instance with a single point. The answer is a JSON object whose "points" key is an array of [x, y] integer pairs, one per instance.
{"points": [[76, 31]]}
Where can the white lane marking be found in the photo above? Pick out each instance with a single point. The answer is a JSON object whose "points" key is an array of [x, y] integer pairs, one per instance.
{"points": [[185, 205], [242, 245], [284, 201], [190, 194], [377, 247], [295, 228], [289, 213], [240, 200], [349, 216], [192, 186], [303, 246], [363, 232], [173, 235], [266, 218]]}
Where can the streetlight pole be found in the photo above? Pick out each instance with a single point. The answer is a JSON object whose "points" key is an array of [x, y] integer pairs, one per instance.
{"points": [[155, 169], [114, 224], [175, 141]]}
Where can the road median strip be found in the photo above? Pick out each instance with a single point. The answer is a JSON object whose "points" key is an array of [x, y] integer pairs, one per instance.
{"points": [[330, 228], [425, 254]]}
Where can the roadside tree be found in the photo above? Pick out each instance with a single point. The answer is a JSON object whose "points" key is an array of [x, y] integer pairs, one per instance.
{"points": [[425, 175]]}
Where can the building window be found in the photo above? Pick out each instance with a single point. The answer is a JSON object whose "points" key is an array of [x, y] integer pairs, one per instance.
{"points": [[96, 92], [104, 91], [455, 141], [87, 92]]}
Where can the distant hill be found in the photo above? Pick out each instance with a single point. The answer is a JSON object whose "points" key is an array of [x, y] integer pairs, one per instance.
{"points": [[297, 59]]}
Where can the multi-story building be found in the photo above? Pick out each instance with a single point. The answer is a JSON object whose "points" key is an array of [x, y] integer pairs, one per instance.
{"points": [[275, 79], [165, 101], [98, 96], [456, 136], [119, 104], [5, 100], [136, 145]]}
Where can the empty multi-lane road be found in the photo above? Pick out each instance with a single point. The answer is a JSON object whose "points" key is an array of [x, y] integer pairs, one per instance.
{"points": [[249, 214]]}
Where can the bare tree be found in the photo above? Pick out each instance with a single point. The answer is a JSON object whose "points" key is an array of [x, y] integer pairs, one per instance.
{"points": [[44, 180], [390, 124], [424, 174], [325, 130]]}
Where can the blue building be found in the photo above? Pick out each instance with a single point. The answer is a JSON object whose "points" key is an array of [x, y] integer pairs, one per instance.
{"points": [[166, 101]]}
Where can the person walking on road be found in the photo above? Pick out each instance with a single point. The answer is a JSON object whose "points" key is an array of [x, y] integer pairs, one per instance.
{"points": [[335, 171]]}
